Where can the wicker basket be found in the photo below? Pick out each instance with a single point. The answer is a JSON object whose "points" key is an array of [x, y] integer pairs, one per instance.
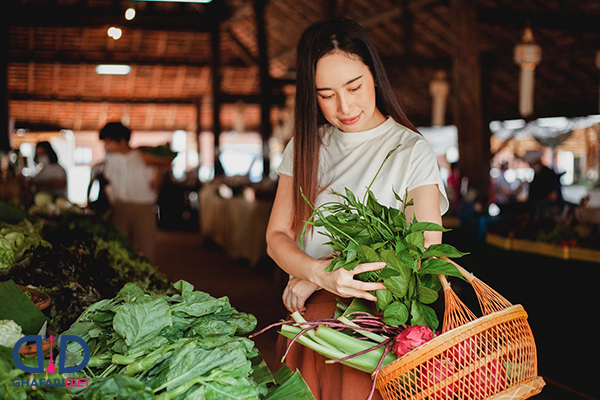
{"points": [[31, 349], [40, 299], [492, 357]]}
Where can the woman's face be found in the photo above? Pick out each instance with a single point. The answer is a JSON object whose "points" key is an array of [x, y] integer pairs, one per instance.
{"points": [[346, 93]]}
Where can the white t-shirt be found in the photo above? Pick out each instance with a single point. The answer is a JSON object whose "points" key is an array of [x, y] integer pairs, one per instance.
{"points": [[351, 160], [129, 178]]}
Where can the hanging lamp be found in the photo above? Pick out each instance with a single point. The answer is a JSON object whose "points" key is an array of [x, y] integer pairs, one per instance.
{"points": [[527, 55]]}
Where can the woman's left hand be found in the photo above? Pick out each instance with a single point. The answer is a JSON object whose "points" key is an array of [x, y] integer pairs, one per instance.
{"points": [[295, 294]]}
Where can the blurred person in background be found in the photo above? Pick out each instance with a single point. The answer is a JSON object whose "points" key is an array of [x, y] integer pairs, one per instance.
{"points": [[133, 188], [51, 177], [505, 193], [545, 190]]}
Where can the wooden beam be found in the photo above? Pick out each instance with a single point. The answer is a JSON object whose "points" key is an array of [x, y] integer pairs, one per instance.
{"points": [[574, 22], [224, 98], [241, 50], [124, 58], [406, 23], [473, 133], [266, 129], [41, 15], [373, 20], [215, 70], [4, 49]]}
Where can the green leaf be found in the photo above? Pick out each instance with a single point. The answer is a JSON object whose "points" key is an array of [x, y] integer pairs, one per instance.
{"points": [[416, 317], [427, 226], [387, 272], [429, 315], [397, 285], [437, 266], [384, 298], [397, 263], [367, 254], [396, 314], [142, 320], [442, 250], [430, 281], [426, 295], [417, 239]]}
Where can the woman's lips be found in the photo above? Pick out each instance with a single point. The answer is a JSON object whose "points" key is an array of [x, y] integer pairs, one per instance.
{"points": [[350, 121]]}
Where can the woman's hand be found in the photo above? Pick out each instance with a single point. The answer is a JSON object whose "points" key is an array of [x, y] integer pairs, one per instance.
{"points": [[295, 294], [342, 283]]}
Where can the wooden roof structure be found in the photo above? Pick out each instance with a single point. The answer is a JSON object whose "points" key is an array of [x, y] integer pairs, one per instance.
{"points": [[184, 55]]}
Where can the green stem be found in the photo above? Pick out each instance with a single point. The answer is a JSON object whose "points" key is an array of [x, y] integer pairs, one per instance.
{"points": [[331, 352], [371, 335]]}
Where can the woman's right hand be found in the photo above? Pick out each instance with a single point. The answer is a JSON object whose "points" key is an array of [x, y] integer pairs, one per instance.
{"points": [[295, 294], [342, 283]]}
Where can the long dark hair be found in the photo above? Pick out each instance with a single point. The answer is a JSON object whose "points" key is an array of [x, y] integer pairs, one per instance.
{"points": [[47, 147], [320, 39]]}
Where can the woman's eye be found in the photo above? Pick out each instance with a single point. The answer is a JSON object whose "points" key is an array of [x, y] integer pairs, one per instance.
{"points": [[327, 97], [356, 88]]}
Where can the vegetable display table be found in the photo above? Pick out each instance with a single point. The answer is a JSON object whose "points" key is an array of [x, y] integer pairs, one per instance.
{"points": [[237, 225]]}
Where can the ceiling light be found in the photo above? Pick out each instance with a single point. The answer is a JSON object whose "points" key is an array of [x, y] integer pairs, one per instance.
{"points": [[180, 1], [130, 14], [113, 69], [114, 33]]}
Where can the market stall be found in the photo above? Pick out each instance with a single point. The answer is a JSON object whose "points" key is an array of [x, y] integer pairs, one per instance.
{"points": [[237, 223], [122, 326]]}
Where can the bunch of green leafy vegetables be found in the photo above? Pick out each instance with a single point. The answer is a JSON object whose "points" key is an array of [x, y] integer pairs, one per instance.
{"points": [[17, 241], [367, 231], [184, 346], [11, 378], [81, 269]]}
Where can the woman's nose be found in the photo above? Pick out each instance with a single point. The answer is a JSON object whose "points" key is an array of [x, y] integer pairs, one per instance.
{"points": [[343, 104]]}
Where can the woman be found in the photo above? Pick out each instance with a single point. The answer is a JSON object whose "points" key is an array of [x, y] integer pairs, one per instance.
{"points": [[51, 178], [346, 120]]}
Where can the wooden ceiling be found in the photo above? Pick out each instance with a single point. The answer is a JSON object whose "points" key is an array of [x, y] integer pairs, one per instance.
{"points": [[55, 45]]}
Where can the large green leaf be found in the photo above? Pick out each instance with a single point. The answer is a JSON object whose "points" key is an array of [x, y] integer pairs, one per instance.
{"points": [[396, 314], [384, 298], [437, 266], [397, 285], [442, 250], [142, 320], [427, 226], [426, 295]]}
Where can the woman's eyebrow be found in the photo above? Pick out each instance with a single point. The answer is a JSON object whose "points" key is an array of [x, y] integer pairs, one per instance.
{"points": [[345, 84]]}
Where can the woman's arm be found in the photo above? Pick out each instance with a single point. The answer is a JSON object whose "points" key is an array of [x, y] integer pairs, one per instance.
{"points": [[283, 249], [427, 209]]}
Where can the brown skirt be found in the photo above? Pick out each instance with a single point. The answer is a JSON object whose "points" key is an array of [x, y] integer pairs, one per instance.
{"points": [[326, 381]]}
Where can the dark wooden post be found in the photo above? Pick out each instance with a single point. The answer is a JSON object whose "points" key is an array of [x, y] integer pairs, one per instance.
{"points": [[199, 131], [4, 47], [473, 136], [265, 85], [215, 69]]}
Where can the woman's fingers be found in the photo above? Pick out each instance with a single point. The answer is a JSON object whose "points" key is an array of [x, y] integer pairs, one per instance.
{"points": [[368, 267]]}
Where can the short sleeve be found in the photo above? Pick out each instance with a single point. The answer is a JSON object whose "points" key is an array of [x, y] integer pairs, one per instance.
{"points": [[286, 166], [424, 170]]}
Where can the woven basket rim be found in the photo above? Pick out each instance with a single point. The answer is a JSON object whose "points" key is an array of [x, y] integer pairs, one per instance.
{"points": [[447, 340], [40, 299]]}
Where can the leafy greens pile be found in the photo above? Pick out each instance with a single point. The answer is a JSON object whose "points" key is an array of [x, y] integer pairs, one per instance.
{"points": [[17, 240], [182, 346], [82, 268], [367, 231]]}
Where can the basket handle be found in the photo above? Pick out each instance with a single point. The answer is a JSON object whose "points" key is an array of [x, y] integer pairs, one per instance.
{"points": [[489, 300]]}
